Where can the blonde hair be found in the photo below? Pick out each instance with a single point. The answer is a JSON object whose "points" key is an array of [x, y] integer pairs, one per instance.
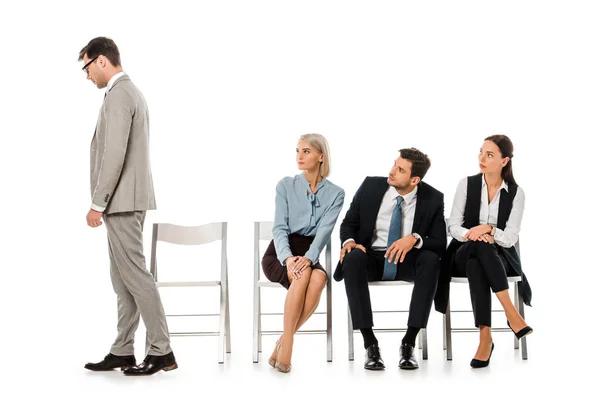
{"points": [[319, 143]]}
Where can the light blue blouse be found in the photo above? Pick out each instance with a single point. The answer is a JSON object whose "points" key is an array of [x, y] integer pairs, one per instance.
{"points": [[298, 210]]}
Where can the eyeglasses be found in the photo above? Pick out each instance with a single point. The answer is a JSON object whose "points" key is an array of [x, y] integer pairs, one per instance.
{"points": [[86, 66]]}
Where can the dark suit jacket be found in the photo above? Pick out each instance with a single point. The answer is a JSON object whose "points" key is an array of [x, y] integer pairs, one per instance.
{"points": [[361, 217]]}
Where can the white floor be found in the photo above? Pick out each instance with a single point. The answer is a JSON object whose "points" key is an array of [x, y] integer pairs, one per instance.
{"points": [[48, 358]]}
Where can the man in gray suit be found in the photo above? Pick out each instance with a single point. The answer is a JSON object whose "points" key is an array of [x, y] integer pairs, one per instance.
{"points": [[122, 192]]}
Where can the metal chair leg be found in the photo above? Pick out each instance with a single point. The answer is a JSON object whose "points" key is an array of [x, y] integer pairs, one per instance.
{"points": [[524, 339], [350, 337], [444, 330], [256, 324], [329, 323], [448, 331], [227, 323], [260, 335], [423, 340], [222, 326], [516, 303]]}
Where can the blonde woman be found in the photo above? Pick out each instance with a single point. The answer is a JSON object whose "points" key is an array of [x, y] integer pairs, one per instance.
{"points": [[306, 209]]}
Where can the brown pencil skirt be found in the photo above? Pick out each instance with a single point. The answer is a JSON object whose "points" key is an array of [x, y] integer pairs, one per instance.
{"points": [[274, 271]]}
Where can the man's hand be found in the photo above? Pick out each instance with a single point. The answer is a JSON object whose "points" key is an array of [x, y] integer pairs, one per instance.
{"points": [[398, 249], [94, 218], [349, 247]]}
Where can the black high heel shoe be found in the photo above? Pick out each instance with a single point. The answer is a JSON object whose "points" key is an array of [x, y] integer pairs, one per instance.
{"points": [[475, 363], [523, 332]]}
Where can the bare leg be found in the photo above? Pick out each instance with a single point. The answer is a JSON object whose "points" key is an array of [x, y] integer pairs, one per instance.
{"points": [[294, 303], [317, 283], [514, 318]]}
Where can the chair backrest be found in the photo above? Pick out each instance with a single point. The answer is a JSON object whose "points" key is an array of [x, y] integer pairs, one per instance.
{"points": [[190, 236]]}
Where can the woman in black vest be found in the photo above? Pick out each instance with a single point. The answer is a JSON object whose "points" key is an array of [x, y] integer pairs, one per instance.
{"points": [[485, 223]]}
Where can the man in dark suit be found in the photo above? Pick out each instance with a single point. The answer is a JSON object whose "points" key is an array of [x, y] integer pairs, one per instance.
{"points": [[394, 230]]}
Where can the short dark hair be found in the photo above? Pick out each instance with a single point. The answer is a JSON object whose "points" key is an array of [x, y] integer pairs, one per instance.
{"points": [[102, 46], [420, 161]]}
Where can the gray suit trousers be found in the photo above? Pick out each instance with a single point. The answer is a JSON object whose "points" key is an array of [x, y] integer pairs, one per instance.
{"points": [[135, 287]]}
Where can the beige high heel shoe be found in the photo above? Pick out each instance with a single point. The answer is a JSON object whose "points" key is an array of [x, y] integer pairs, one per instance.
{"points": [[273, 360], [285, 368]]}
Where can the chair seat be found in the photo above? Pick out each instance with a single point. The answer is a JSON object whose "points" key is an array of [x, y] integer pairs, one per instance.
{"points": [[462, 279], [188, 284], [269, 284], [389, 283]]}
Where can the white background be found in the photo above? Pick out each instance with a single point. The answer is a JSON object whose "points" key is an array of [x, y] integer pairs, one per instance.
{"points": [[231, 86]]}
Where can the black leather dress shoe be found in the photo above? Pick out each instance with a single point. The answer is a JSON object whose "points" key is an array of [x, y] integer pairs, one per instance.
{"points": [[373, 359], [153, 364], [523, 332], [475, 363], [407, 357], [111, 362]]}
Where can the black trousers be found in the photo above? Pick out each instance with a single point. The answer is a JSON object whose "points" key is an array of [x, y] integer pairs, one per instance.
{"points": [[485, 269], [420, 266]]}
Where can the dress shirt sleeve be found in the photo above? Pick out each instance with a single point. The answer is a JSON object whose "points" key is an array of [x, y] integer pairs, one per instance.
{"points": [[510, 235], [281, 227], [325, 227], [97, 208], [419, 243], [457, 215]]}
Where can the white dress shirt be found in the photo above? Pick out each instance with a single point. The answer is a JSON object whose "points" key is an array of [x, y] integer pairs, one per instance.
{"points": [[384, 217], [488, 213]]}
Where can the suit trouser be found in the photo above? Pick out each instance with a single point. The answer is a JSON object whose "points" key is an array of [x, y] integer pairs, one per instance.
{"points": [[135, 287], [420, 266], [485, 270]]}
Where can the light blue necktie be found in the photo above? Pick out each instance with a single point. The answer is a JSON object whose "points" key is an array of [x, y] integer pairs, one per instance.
{"points": [[389, 268]]}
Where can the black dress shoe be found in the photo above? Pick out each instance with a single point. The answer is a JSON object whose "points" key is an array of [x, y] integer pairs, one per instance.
{"points": [[523, 332], [407, 357], [111, 362], [475, 363], [373, 359], [153, 364]]}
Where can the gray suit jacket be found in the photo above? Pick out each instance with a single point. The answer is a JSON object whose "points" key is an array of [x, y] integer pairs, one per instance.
{"points": [[120, 174]]}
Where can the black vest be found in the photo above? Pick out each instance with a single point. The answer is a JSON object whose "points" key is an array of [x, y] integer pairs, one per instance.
{"points": [[471, 216]]}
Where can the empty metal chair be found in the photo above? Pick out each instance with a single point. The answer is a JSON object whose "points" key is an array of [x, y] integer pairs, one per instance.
{"points": [[198, 235]]}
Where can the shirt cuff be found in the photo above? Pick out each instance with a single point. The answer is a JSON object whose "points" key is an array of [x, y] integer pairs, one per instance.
{"points": [[346, 241], [97, 208], [285, 257], [419, 243]]}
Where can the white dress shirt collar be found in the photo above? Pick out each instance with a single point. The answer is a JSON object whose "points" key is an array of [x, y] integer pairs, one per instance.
{"points": [[502, 186], [112, 80]]}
